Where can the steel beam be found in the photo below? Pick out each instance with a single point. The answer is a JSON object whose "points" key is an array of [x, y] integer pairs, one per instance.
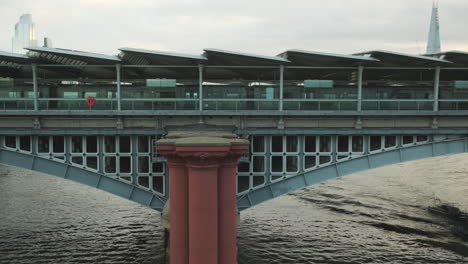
{"points": [[281, 88], [80, 175], [200, 87], [35, 86], [334, 170], [359, 103], [118, 94], [436, 88]]}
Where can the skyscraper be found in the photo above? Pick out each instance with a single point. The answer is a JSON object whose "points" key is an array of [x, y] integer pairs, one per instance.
{"points": [[433, 40], [25, 34]]}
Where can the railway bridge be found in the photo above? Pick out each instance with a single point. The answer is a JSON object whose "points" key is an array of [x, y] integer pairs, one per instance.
{"points": [[221, 132]]}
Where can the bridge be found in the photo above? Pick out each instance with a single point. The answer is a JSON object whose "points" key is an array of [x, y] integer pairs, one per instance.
{"points": [[224, 131]]}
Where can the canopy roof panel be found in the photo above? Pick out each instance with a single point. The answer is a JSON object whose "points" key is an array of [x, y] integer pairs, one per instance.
{"points": [[225, 57], [70, 57], [314, 58], [391, 58], [153, 57], [459, 58], [13, 60]]}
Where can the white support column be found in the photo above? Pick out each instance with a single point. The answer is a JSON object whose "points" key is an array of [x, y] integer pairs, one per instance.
{"points": [[200, 87], [35, 87], [359, 94], [118, 94], [281, 87], [436, 88]]}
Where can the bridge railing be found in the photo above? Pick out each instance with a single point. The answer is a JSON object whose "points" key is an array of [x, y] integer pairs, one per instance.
{"points": [[397, 104], [16, 104], [320, 104], [240, 104], [453, 104], [76, 104], [191, 104], [153, 104]]}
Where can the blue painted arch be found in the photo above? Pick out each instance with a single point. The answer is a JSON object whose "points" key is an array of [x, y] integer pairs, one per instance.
{"points": [[254, 197], [93, 179], [335, 170]]}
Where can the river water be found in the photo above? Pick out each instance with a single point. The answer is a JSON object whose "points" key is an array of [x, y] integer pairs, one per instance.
{"points": [[378, 216]]}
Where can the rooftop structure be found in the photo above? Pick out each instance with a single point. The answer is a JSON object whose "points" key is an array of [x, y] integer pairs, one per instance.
{"points": [[25, 34]]}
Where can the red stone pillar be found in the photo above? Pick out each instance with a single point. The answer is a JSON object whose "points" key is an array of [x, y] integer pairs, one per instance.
{"points": [[227, 206], [211, 214], [178, 198], [203, 213], [227, 213]]}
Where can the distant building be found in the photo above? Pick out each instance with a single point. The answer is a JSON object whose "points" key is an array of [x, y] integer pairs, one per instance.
{"points": [[25, 34], [433, 40]]}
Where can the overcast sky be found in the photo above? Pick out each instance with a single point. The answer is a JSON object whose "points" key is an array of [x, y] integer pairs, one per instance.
{"points": [[266, 27]]}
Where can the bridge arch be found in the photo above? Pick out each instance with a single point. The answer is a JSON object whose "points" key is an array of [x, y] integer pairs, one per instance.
{"points": [[335, 170], [93, 179]]}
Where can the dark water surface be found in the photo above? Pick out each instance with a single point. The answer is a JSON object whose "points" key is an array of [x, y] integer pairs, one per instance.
{"points": [[378, 216]]}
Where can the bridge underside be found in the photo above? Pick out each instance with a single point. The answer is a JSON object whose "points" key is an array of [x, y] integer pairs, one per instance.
{"points": [[53, 167], [126, 163]]}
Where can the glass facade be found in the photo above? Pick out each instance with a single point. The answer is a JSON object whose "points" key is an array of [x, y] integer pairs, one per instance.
{"points": [[67, 88], [233, 88], [240, 88], [398, 90], [16, 93], [320, 89], [453, 93], [149, 88]]}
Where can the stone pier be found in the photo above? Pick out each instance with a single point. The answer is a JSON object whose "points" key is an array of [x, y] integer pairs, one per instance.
{"points": [[202, 194]]}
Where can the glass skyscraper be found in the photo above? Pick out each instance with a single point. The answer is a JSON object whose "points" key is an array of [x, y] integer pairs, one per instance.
{"points": [[25, 34]]}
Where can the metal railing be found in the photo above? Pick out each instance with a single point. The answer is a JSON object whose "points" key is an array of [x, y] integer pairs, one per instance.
{"points": [[397, 104], [320, 104], [76, 104], [453, 104], [16, 104], [155, 104], [240, 104]]}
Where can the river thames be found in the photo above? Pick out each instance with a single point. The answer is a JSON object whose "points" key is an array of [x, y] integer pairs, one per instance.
{"points": [[377, 216]]}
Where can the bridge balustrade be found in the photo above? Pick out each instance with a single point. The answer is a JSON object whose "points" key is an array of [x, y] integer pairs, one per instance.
{"points": [[16, 104], [320, 104], [397, 105], [76, 104]]}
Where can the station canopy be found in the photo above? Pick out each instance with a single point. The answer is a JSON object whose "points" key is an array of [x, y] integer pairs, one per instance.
{"points": [[152, 57], [217, 63], [70, 57], [137, 64], [233, 58], [314, 58], [76, 60], [13, 60], [459, 58], [397, 59], [224, 64], [13, 64]]}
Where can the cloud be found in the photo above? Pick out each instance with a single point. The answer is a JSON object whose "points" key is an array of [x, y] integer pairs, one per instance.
{"points": [[260, 26]]}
